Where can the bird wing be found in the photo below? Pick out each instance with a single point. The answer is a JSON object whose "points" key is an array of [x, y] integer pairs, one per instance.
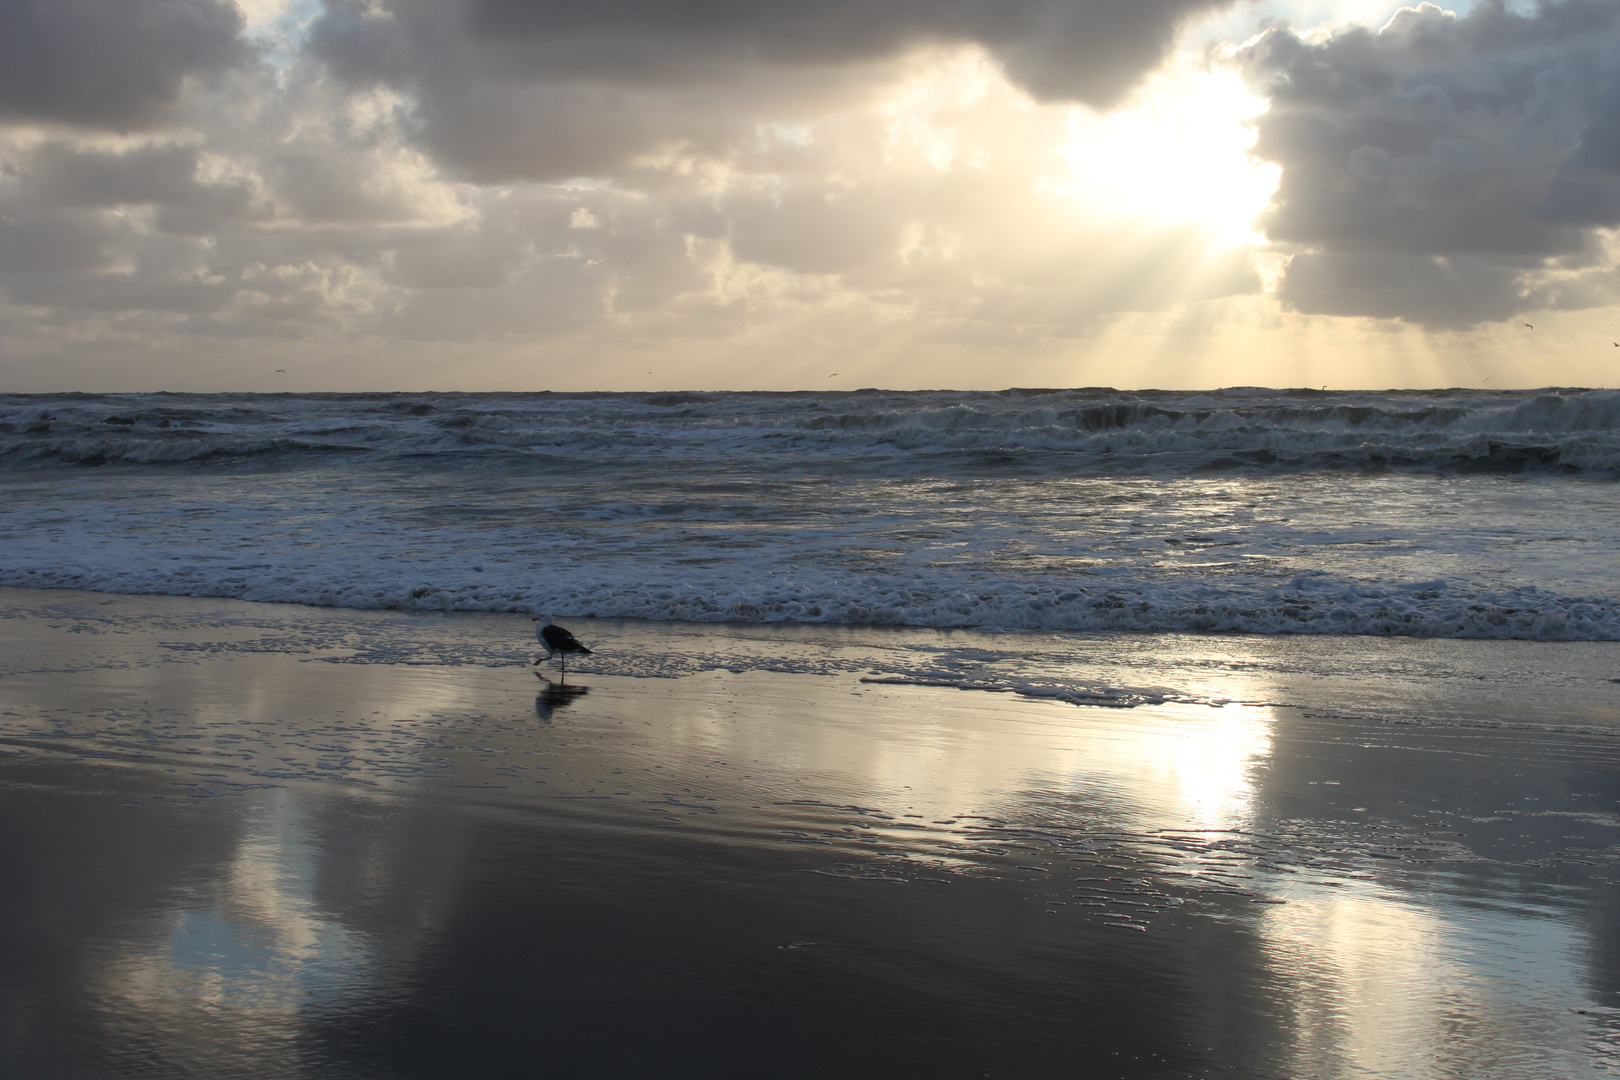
{"points": [[561, 640]]}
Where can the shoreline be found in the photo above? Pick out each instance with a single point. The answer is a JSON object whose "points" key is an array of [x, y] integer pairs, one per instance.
{"points": [[1569, 686], [1406, 615]]}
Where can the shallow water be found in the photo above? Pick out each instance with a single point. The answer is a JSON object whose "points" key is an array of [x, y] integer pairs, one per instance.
{"points": [[267, 841]]}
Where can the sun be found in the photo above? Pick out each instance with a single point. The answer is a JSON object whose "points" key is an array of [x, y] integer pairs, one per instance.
{"points": [[1176, 153]]}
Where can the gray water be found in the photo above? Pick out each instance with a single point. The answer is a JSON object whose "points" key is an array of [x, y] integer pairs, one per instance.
{"points": [[1445, 514]]}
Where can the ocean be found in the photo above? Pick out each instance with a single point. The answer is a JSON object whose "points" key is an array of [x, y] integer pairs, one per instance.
{"points": [[1340, 802], [1450, 514]]}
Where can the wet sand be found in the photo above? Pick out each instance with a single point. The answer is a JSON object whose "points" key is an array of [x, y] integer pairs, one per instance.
{"points": [[251, 840]]}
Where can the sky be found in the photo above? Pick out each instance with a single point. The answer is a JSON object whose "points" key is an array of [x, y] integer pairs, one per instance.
{"points": [[303, 195]]}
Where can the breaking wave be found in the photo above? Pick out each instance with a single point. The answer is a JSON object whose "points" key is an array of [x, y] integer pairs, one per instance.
{"points": [[1453, 514]]}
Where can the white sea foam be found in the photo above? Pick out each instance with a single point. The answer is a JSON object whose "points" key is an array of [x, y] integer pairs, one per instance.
{"points": [[1444, 514]]}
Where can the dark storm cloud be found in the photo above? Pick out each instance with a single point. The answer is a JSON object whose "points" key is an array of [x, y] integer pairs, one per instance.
{"points": [[1430, 168], [1439, 290], [111, 64], [1088, 50], [541, 89]]}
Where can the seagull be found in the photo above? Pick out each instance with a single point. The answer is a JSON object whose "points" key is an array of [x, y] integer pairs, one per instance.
{"points": [[557, 641]]}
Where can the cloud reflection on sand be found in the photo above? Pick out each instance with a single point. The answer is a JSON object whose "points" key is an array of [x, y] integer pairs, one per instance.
{"points": [[234, 959]]}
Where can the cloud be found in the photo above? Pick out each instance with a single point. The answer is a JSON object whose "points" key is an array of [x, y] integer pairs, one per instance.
{"points": [[117, 230], [919, 197], [110, 64], [163, 175], [50, 243], [1088, 50], [411, 171], [1433, 289], [1436, 169], [764, 179], [505, 90]]}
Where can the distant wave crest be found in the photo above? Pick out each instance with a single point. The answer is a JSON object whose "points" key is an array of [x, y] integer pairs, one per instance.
{"points": [[1085, 431]]}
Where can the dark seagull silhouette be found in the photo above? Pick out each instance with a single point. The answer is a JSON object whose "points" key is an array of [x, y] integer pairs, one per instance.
{"points": [[557, 642]]}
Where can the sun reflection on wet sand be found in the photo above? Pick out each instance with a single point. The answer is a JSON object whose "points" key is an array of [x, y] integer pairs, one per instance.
{"points": [[1390, 985], [1187, 767]]}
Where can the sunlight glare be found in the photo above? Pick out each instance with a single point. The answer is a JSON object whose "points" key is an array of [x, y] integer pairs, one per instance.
{"points": [[1176, 153], [1202, 764]]}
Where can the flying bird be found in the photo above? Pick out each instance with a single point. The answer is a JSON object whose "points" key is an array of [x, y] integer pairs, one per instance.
{"points": [[557, 641], [1531, 327], [281, 371]]}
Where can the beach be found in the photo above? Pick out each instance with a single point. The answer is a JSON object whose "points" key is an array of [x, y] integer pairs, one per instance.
{"points": [[1024, 539], [281, 841]]}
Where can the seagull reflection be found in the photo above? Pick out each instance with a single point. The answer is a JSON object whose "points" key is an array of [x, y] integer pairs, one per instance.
{"points": [[555, 695]]}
